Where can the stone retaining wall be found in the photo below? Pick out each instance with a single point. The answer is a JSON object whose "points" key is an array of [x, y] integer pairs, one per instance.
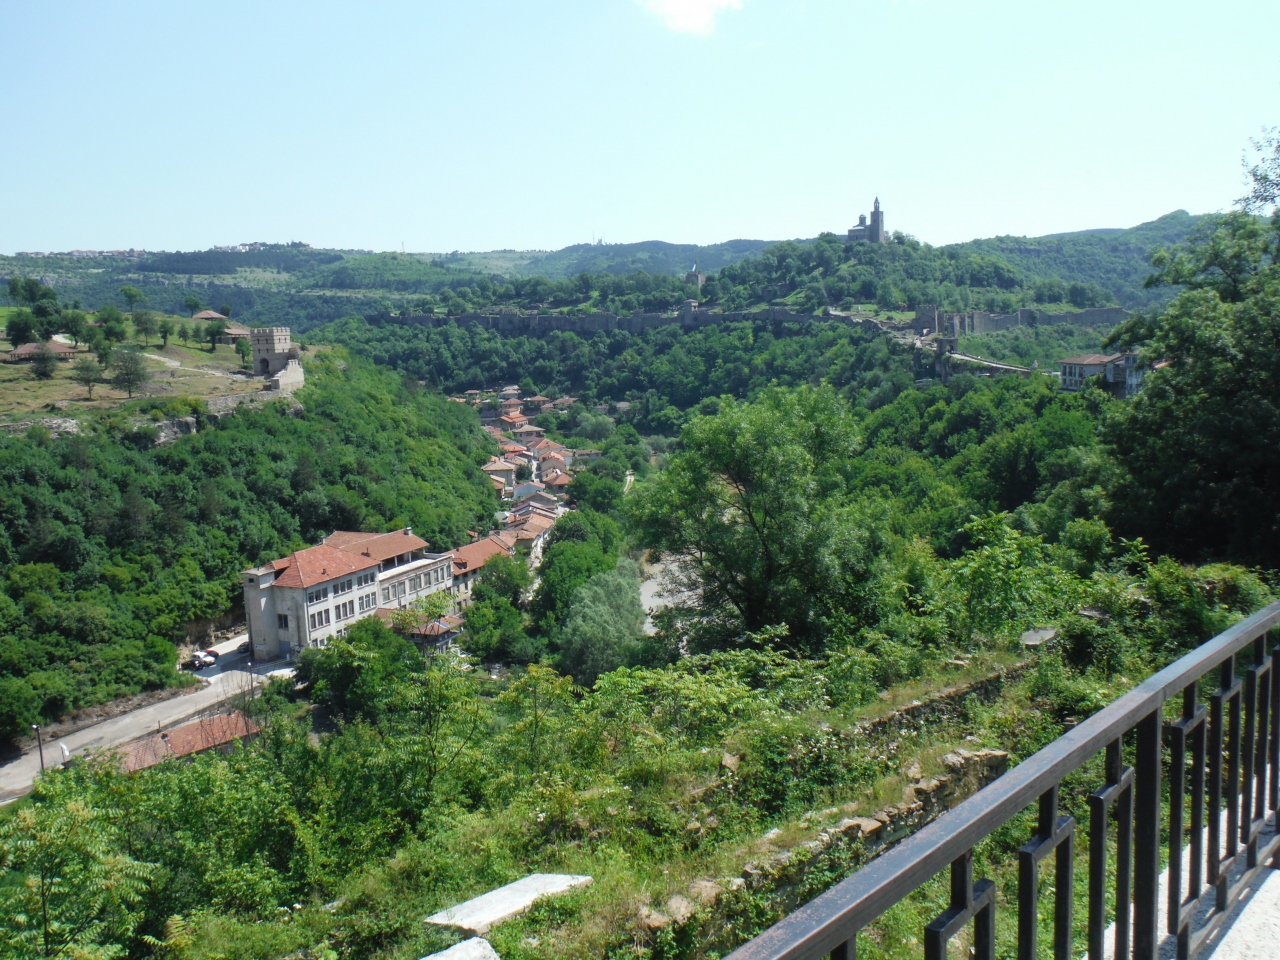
{"points": [[712, 912]]}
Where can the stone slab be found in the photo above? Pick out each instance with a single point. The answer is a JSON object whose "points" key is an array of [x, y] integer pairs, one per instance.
{"points": [[477, 948], [477, 916]]}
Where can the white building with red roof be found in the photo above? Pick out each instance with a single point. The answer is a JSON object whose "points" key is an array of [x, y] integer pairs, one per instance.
{"points": [[302, 600]]}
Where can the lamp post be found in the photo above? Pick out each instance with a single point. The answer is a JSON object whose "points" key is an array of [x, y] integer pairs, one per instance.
{"points": [[40, 744]]}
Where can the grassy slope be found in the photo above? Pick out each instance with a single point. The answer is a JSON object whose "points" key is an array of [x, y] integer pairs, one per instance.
{"points": [[200, 373]]}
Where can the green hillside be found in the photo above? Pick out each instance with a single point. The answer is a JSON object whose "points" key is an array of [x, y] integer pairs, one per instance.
{"points": [[297, 286], [1117, 260]]}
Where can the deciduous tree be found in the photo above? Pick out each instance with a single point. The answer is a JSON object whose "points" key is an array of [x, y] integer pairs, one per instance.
{"points": [[87, 374], [131, 371]]}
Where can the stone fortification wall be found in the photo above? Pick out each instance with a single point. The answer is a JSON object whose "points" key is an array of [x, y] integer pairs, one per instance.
{"points": [[978, 322]]}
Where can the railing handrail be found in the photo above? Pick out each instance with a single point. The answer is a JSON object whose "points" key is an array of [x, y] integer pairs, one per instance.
{"points": [[831, 918]]}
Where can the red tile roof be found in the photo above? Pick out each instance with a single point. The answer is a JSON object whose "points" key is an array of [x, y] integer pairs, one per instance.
{"points": [[208, 315], [306, 568], [376, 546], [208, 733], [475, 555]]}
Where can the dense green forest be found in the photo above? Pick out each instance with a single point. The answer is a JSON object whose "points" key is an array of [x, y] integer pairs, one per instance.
{"points": [[110, 546]]}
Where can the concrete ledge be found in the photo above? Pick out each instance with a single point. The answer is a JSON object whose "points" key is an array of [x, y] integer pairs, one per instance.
{"points": [[477, 916], [476, 948]]}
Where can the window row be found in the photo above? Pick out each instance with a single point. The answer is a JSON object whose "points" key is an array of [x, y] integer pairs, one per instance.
{"points": [[345, 611], [368, 602], [366, 578], [315, 596], [343, 586], [320, 618]]}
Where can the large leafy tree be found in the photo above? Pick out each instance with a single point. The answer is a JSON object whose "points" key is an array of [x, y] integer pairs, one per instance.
{"points": [[755, 513], [1201, 444], [77, 892]]}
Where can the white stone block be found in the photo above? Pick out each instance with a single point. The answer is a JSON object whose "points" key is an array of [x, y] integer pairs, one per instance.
{"points": [[477, 948], [477, 916]]}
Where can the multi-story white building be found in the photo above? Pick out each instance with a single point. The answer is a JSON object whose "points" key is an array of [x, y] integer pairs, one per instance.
{"points": [[302, 600]]}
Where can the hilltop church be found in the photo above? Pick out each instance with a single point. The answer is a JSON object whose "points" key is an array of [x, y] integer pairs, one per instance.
{"points": [[872, 232]]}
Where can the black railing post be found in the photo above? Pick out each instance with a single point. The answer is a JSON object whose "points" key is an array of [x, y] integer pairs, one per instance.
{"points": [[1146, 838]]}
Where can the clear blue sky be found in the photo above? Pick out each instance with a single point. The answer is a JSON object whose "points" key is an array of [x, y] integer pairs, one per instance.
{"points": [[507, 123]]}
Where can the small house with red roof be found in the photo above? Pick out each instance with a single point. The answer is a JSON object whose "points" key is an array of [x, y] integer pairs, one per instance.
{"points": [[468, 561]]}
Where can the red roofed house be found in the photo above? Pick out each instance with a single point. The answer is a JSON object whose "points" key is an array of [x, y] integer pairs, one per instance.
{"points": [[219, 732], [503, 470], [302, 600], [557, 481], [468, 561], [1076, 370]]}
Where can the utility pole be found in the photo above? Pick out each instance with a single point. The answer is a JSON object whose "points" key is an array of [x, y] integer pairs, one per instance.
{"points": [[40, 744]]}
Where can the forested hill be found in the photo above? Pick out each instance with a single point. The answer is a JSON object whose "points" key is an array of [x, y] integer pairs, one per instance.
{"points": [[300, 287], [650, 256], [1117, 260]]}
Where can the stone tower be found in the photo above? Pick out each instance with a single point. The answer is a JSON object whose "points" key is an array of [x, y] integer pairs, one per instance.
{"points": [[876, 233], [271, 346]]}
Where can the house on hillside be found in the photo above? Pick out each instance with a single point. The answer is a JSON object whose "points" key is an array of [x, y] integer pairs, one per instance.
{"points": [[556, 481], [304, 599], [503, 470], [527, 431], [526, 489], [553, 463], [1122, 375], [534, 405], [429, 636], [468, 561]]}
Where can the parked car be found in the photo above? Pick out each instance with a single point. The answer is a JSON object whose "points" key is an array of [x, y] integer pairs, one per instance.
{"points": [[244, 647], [211, 653]]}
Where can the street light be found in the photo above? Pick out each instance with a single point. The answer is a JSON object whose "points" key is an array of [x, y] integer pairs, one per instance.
{"points": [[40, 744]]}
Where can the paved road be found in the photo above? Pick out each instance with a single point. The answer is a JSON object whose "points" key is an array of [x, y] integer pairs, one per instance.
{"points": [[229, 677]]}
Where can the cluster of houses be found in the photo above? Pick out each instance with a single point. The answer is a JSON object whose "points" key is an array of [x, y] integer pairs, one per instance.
{"points": [[530, 467]]}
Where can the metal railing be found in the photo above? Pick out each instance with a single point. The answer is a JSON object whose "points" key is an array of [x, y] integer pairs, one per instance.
{"points": [[1229, 751]]}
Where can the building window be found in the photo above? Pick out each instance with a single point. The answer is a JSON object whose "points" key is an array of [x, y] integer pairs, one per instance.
{"points": [[368, 602], [366, 578], [315, 596], [386, 594], [320, 619], [415, 583], [342, 586], [282, 621]]}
